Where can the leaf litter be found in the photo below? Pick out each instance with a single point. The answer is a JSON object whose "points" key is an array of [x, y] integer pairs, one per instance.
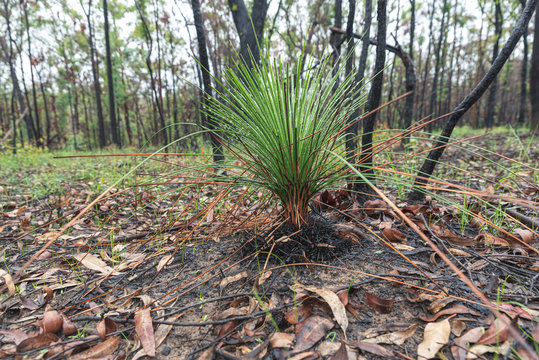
{"points": [[143, 274]]}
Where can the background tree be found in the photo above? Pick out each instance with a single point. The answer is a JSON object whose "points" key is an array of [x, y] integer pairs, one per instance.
{"points": [[534, 78]]}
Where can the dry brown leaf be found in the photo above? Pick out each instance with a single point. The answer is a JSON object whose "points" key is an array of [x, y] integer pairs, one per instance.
{"points": [[439, 304], [382, 306], [52, 322], [462, 343], [16, 335], [232, 279], [305, 356], [37, 342], [281, 340], [457, 327], [337, 307], [457, 309], [497, 332], [144, 329], [477, 351], [526, 235], [92, 262], [299, 313], [341, 354], [68, 327], [394, 338], [165, 260], [105, 327], [9, 282], [372, 348], [435, 337], [315, 328], [98, 351], [394, 235]]}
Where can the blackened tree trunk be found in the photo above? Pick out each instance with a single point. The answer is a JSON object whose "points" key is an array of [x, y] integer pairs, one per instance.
{"points": [[95, 74], [524, 75], [47, 117], [14, 79], [374, 99], [335, 41], [155, 94], [427, 61], [206, 78], [365, 43], [250, 28], [434, 155], [110, 80], [534, 78], [39, 136], [352, 131], [491, 104], [434, 92]]}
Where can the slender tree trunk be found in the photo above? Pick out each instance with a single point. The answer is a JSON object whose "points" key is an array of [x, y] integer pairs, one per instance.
{"points": [[95, 74], [206, 79], [534, 78], [427, 61], [498, 27], [435, 154], [365, 43], [434, 92], [250, 28], [155, 95], [352, 132], [524, 76], [39, 136], [110, 79], [47, 117], [375, 95], [335, 41], [15, 81]]}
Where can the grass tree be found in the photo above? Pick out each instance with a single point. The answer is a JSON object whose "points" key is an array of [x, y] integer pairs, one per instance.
{"points": [[280, 125]]}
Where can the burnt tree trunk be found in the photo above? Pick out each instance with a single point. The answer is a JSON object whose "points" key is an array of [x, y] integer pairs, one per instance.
{"points": [[110, 80], [534, 78], [95, 74], [491, 104], [250, 28], [374, 99], [206, 79], [524, 76]]}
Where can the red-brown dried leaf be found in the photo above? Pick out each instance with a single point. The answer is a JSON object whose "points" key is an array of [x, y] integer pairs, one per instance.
{"points": [[394, 235], [37, 342], [68, 327], [382, 306], [98, 351], [341, 354], [105, 327], [372, 348], [315, 328], [52, 321], [457, 309], [299, 313], [496, 333], [144, 329], [374, 207], [16, 335]]}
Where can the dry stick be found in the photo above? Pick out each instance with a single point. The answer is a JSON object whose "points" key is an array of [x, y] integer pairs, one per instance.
{"points": [[52, 240], [453, 267]]}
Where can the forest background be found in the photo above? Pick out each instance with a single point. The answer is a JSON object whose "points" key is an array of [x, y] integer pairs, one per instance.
{"points": [[88, 74]]}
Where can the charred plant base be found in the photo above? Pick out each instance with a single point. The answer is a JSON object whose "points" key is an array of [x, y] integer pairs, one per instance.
{"points": [[318, 241]]}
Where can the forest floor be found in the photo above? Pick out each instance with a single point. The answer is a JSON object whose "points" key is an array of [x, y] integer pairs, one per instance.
{"points": [[148, 271]]}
